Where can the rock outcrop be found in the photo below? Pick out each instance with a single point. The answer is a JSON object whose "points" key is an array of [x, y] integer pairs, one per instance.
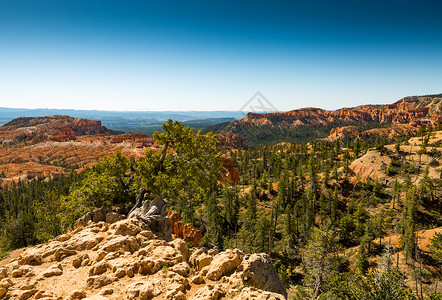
{"points": [[392, 120], [184, 231], [42, 147], [228, 140], [409, 110], [390, 132], [55, 128], [228, 172], [126, 259]]}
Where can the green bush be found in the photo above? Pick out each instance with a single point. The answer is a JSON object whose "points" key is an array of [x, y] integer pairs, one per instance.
{"points": [[19, 232]]}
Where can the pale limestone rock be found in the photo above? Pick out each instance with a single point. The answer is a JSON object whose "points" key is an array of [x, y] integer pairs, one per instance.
{"points": [[176, 296], [84, 240], [63, 237], [128, 247], [161, 254], [181, 246], [210, 292], [146, 266], [96, 216], [100, 255], [181, 268], [120, 273], [106, 291], [54, 270], [200, 259], [250, 293], [99, 268], [31, 259], [174, 288], [3, 273], [204, 271], [140, 291], [126, 227], [76, 294], [147, 233], [21, 294], [20, 271], [125, 243], [43, 295], [224, 263], [6, 283], [26, 285], [260, 273], [98, 281], [214, 251], [113, 217], [78, 261], [197, 279], [3, 292], [61, 253], [96, 297]]}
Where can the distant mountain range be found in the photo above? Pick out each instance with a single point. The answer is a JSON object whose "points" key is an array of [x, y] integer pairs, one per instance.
{"points": [[129, 121], [401, 118]]}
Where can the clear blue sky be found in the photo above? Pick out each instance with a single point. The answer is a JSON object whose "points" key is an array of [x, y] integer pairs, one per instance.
{"points": [[215, 55]]}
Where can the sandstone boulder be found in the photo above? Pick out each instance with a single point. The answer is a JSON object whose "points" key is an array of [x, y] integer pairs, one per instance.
{"points": [[140, 291], [224, 263], [3, 273], [96, 297], [96, 282], [95, 216], [181, 246], [99, 268], [250, 293], [127, 227], [21, 294], [31, 259], [210, 292], [43, 295], [6, 283], [181, 268], [84, 239], [112, 217], [259, 272], [125, 243], [200, 259], [76, 294], [54, 270], [20, 271], [197, 279], [61, 253]]}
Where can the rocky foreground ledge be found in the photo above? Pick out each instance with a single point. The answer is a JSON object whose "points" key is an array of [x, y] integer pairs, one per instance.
{"points": [[125, 259]]}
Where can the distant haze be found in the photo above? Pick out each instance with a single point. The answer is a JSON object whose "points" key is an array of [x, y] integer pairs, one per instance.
{"points": [[215, 55], [129, 121]]}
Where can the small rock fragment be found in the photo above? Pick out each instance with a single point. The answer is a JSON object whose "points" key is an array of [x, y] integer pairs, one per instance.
{"points": [[61, 253], [120, 273], [54, 270], [77, 294], [3, 273]]}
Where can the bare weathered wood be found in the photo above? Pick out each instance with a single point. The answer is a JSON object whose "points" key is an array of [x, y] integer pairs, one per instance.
{"points": [[160, 163], [149, 210], [153, 213]]}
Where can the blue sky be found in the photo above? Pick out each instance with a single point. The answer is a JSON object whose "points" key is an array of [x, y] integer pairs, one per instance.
{"points": [[215, 55]]}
